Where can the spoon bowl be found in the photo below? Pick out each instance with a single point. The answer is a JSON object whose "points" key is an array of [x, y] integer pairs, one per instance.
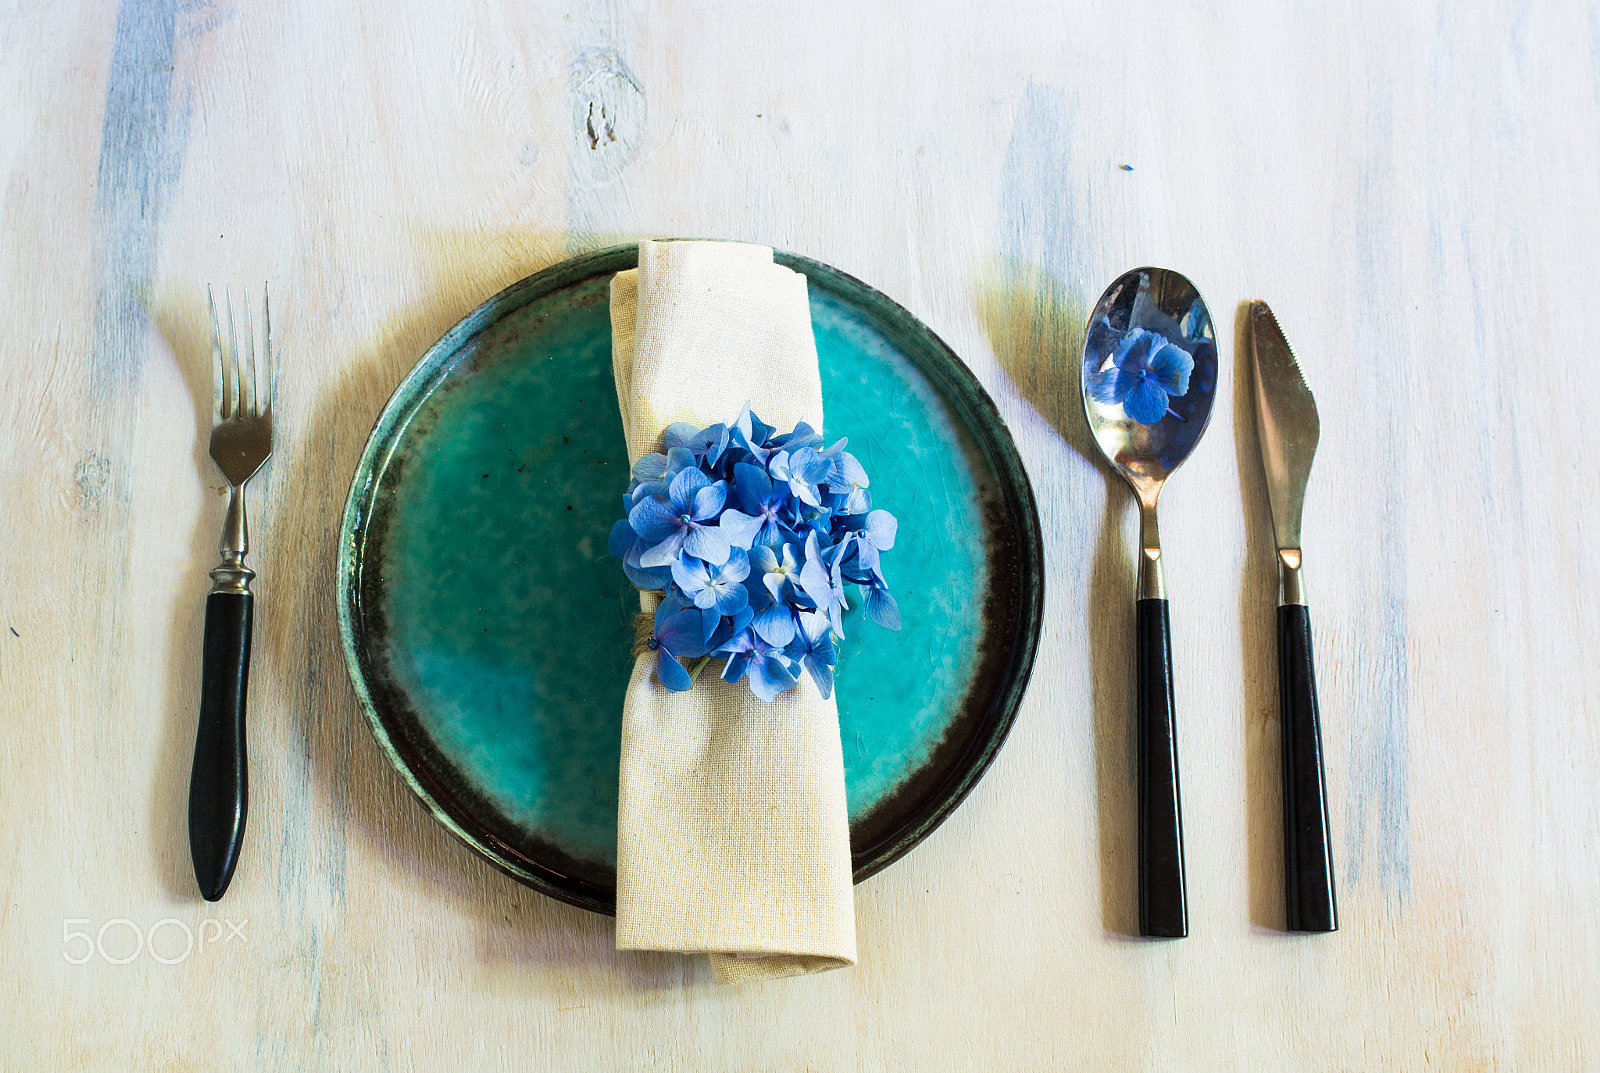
{"points": [[1149, 377], [1166, 304]]}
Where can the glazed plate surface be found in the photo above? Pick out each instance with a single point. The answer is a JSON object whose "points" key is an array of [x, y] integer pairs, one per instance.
{"points": [[488, 633]]}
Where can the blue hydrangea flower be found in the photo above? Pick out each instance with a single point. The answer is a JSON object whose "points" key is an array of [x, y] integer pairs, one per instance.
{"points": [[768, 670], [677, 522], [874, 533], [847, 478], [803, 468], [677, 636], [749, 433], [813, 647], [773, 620], [1145, 372], [757, 516], [821, 583], [715, 587], [778, 573]]}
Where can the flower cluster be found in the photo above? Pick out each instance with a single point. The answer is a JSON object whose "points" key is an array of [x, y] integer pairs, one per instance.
{"points": [[752, 536]]}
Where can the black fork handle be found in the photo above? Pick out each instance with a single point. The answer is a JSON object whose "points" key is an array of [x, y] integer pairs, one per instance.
{"points": [[218, 786]]}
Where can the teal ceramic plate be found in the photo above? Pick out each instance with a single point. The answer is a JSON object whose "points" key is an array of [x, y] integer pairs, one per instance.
{"points": [[488, 632]]}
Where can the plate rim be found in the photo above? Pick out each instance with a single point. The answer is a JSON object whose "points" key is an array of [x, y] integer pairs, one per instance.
{"points": [[957, 383]]}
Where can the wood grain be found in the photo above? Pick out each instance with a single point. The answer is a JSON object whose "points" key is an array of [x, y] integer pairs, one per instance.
{"points": [[1415, 188]]}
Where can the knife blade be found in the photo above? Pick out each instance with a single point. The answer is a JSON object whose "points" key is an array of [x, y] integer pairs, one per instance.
{"points": [[1287, 430]]}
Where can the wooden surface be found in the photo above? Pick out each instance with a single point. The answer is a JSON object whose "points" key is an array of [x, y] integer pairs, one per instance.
{"points": [[1414, 187]]}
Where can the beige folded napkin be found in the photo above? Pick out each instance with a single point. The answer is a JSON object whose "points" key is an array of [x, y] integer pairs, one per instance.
{"points": [[732, 832]]}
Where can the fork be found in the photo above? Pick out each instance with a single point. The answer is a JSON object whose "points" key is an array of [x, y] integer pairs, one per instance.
{"points": [[241, 440]]}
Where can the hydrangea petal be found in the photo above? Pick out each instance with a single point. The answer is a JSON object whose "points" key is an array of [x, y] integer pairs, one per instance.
{"points": [[671, 674], [737, 567], [820, 672], [752, 488], [1111, 386], [707, 542], [691, 575], [645, 489], [763, 558], [664, 553], [681, 634], [648, 579], [881, 529], [740, 529], [621, 539], [650, 467], [726, 627], [678, 434], [731, 599], [818, 635], [678, 460], [685, 485], [775, 625], [770, 675], [1170, 366], [882, 609], [708, 501], [1146, 403], [847, 473], [654, 519]]}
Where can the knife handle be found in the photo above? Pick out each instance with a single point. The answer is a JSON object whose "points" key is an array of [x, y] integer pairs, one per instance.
{"points": [[1307, 856], [218, 786], [1163, 910]]}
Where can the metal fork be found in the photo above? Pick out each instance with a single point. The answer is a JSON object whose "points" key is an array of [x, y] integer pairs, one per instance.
{"points": [[241, 440]]}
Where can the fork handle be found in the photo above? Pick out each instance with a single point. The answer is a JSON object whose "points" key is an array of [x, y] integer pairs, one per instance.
{"points": [[218, 786]]}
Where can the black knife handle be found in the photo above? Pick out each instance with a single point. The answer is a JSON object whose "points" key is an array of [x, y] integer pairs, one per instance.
{"points": [[218, 786], [1163, 910], [1307, 855]]}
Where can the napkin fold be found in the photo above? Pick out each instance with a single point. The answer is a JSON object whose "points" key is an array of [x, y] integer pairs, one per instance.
{"points": [[732, 832]]}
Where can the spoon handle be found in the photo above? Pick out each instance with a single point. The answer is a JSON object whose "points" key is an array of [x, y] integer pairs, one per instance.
{"points": [[1163, 911], [1307, 860]]}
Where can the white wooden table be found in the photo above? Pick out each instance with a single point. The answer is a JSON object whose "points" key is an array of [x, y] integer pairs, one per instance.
{"points": [[1414, 187]]}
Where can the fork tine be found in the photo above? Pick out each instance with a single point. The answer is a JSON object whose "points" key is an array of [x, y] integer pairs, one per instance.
{"points": [[269, 385], [230, 362], [247, 363], [217, 383]]}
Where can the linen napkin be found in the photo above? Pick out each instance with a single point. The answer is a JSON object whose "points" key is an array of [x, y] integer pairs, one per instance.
{"points": [[732, 831]]}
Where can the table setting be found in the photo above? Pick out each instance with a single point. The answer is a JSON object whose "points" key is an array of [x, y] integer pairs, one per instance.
{"points": [[537, 538]]}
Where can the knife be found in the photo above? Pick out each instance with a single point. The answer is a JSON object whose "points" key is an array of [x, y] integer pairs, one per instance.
{"points": [[1287, 426]]}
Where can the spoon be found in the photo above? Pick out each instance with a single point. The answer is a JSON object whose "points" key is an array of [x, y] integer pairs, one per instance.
{"points": [[1149, 378]]}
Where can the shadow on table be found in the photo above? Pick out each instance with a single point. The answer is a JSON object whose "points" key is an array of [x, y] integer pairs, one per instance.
{"points": [[341, 786], [183, 323], [1258, 634], [1035, 326]]}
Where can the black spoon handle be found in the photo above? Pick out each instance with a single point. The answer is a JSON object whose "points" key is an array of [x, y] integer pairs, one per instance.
{"points": [[1307, 856], [1163, 911], [218, 787]]}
